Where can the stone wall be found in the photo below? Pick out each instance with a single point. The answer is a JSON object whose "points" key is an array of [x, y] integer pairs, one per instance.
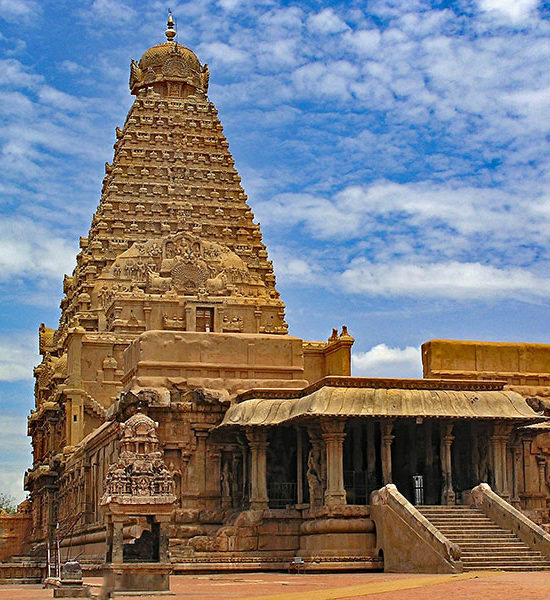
{"points": [[15, 531]]}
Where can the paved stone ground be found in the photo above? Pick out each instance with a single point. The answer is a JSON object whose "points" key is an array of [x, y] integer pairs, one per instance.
{"points": [[379, 586]]}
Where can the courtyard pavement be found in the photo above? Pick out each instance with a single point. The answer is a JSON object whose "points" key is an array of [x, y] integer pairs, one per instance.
{"points": [[492, 585]]}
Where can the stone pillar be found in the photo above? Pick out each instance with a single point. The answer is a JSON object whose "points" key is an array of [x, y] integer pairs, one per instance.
{"points": [[516, 468], [118, 542], [528, 474], [164, 538], [371, 458], [430, 493], [213, 470], [109, 542], [356, 433], [245, 470], [257, 440], [541, 464], [299, 466], [499, 441], [147, 315], [447, 438], [189, 319], [197, 466], [387, 438], [236, 483], [332, 432]]}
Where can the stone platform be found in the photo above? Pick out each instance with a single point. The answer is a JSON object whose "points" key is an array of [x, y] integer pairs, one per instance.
{"points": [[374, 586]]}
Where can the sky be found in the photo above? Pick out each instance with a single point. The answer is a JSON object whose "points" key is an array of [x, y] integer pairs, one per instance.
{"points": [[395, 153]]}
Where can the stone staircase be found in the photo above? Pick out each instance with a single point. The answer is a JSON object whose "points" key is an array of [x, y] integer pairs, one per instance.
{"points": [[484, 545], [22, 569]]}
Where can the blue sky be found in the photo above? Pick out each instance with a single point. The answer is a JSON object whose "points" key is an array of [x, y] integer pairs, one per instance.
{"points": [[394, 151]]}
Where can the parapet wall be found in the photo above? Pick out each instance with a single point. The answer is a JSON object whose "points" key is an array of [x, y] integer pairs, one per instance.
{"points": [[517, 364]]}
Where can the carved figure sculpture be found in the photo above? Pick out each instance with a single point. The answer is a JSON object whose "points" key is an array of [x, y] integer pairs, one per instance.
{"points": [[314, 478]]}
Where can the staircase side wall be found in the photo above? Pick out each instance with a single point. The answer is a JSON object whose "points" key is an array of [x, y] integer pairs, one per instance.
{"points": [[508, 517], [404, 550]]}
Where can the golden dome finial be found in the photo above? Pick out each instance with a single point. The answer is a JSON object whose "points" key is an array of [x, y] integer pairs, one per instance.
{"points": [[170, 29]]}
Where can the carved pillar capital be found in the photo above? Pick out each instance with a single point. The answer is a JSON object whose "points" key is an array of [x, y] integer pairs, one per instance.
{"points": [[257, 437], [332, 425]]}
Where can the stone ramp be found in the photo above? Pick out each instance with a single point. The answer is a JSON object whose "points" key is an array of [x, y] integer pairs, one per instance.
{"points": [[484, 545]]}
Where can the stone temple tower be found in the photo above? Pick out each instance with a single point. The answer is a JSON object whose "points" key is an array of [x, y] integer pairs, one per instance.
{"points": [[173, 221], [173, 244], [172, 290]]}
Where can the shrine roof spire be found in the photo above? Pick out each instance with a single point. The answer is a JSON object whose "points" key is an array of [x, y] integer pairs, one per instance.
{"points": [[170, 28]]}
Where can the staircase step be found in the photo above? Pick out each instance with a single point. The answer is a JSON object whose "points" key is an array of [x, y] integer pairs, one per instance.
{"points": [[484, 545]]}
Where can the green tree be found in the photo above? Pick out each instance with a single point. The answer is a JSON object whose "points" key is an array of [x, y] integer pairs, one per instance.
{"points": [[7, 503]]}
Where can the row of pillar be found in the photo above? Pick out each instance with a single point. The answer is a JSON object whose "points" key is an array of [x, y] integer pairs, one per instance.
{"points": [[333, 435]]}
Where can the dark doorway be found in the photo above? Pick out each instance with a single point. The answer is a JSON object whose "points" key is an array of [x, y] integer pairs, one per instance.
{"points": [[205, 319], [281, 467], [362, 462], [416, 452], [144, 548]]}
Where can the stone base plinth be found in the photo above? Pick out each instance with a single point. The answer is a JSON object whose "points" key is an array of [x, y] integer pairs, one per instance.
{"points": [[67, 591], [338, 538], [137, 578]]}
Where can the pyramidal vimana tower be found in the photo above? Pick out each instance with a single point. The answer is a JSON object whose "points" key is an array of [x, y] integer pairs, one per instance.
{"points": [[172, 307], [177, 420]]}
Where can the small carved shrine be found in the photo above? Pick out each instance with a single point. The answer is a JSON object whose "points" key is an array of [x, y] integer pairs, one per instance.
{"points": [[139, 490]]}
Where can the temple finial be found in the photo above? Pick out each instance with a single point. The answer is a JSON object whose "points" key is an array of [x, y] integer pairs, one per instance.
{"points": [[170, 29]]}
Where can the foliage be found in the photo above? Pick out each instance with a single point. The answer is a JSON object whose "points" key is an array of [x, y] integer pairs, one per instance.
{"points": [[7, 503]]}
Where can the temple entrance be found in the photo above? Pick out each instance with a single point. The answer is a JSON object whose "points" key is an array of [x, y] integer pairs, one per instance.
{"points": [[416, 452], [362, 462], [205, 319], [470, 456], [282, 483]]}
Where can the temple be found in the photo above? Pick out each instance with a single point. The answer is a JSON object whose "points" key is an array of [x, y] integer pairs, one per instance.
{"points": [[178, 422]]}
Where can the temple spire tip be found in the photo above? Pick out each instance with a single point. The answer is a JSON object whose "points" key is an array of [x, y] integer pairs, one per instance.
{"points": [[170, 28]]}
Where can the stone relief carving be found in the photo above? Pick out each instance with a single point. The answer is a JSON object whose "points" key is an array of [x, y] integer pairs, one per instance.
{"points": [[314, 476], [188, 264], [139, 470]]}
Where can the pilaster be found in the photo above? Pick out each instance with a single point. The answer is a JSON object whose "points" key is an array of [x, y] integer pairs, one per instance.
{"points": [[332, 432], [257, 441]]}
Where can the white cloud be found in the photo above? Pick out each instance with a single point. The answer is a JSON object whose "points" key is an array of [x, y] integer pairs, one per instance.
{"points": [[111, 12], [364, 41], [513, 9], [15, 455], [385, 361], [229, 4], [327, 21], [71, 67], [11, 10], [18, 355], [16, 75], [297, 268], [58, 99], [332, 79], [472, 281], [27, 249], [223, 53]]}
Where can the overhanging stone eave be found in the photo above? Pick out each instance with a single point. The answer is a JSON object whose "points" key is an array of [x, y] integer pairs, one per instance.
{"points": [[377, 403]]}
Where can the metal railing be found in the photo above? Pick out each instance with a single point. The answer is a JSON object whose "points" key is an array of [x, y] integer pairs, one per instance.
{"points": [[355, 483], [282, 494]]}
